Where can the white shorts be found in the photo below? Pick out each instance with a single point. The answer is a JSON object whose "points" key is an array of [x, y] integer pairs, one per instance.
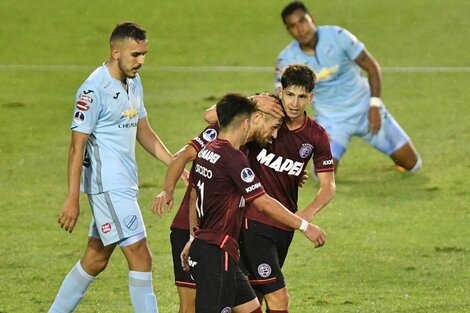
{"points": [[389, 139], [116, 216]]}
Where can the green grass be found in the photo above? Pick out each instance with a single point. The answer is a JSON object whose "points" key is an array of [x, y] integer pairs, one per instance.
{"points": [[397, 243]]}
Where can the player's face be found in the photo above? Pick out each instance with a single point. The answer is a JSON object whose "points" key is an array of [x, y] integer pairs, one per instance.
{"points": [[300, 26], [294, 100], [131, 56], [266, 129]]}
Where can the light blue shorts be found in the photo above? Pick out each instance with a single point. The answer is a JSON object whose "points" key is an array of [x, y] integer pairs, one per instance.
{"points": [[116, 217], [389, 139]]}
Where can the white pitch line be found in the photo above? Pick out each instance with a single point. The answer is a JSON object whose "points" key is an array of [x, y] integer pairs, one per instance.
{"points": [[194, 69]]}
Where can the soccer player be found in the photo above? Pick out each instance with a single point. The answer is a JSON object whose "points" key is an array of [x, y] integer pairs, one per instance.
{"points": [[109, 116], [179, 235], [264, 242], [224, 182], [346, 104]]}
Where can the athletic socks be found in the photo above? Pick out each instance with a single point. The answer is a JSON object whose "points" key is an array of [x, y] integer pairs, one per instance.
{"points": [[141, 291], [72, 290]]}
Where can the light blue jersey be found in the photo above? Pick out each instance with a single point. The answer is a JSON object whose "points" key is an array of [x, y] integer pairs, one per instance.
{"points": [[341, 93], [109, 114]]}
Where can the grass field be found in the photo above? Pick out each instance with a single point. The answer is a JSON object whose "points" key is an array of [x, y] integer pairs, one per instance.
{"points": [[397, 243]]}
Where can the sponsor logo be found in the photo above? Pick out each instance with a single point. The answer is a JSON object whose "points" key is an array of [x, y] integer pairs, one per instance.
{"points": [[328, 162], [199, 141], [325, 73], [117, 95], [128, 125], [279, 164], [253, 187], [87, 91], [209, 134], [85, 98], [305, 150], [129, 113], [226, 310], [208, 155], [191, 262], [106, 228], [203, 171], [247, 175], [131, 222], [264, 270], [82, 106], [79, 117]]}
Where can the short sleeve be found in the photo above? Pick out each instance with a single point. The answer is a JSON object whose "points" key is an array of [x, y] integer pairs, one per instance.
{"points": [[322, 158], [87, 109], [349, 43], [207, 135], [244, 178]]}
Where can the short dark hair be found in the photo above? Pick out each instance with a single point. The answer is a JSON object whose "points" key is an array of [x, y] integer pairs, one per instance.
{"points": [[299, 75], [232, 105], [127, 30], [291, 8]]}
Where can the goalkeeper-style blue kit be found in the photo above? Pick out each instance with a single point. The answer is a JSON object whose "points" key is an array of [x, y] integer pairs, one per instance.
{"points": [[342, 93]]}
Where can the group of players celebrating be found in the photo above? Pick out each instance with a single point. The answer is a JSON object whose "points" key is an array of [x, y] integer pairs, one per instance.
{"points": [[232, 232]]}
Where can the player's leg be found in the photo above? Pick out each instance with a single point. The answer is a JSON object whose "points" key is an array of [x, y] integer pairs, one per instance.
{"points": [[246, 300], [185, 285], [394, 142], [264, 249], [215, 275], [82, 275], [139, 260]]}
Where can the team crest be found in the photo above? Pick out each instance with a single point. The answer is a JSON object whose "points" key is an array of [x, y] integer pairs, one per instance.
{"points": [[264, 270], [131, 222], [247, 175], [79, 117], [209, 134], [305, 150]]}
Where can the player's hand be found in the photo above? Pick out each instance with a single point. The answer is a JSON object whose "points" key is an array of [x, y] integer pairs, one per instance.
{"points": [[303, 178], [316, 235], [375, 121], [164, 200], [184, 256], [185, 177], [68, 215], [268, 104]]}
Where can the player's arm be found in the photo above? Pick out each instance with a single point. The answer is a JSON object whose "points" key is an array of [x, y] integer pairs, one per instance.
{"points": [[173, 173], [150, 141], [264, 102], [368, 63], [281, 214], [69, 213], [325, 194], [193, 221]]}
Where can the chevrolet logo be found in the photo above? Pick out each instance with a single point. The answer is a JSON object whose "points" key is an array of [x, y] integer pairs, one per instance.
{"points": [[327, 72], [129, 113]]}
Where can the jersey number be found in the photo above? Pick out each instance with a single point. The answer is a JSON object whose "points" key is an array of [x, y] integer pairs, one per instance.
{"points": [[200, 199]]}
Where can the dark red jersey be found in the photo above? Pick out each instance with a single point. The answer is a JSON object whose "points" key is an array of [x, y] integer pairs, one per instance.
{"points": [[223, 181], [280, 165], [181, 220]]}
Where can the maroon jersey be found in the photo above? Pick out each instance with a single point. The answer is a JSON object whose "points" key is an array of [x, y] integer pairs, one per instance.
{"points": [[181, 220], [280, 165], [223, 181]]}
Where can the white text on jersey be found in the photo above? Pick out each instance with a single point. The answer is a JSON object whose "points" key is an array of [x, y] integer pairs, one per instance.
{"points": [[280, 164]]}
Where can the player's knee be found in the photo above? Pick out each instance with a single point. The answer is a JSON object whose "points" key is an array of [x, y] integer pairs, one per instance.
{"points": [[94, 264]]}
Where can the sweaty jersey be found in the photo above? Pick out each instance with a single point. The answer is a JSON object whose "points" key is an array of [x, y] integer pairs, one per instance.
{"points": [[341, 92], [223, 181], [109, 114], [181, 219], [280, 165]]}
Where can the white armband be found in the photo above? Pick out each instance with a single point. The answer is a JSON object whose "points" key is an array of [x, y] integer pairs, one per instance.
{"points": [[303, 227], [375, 102]]}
